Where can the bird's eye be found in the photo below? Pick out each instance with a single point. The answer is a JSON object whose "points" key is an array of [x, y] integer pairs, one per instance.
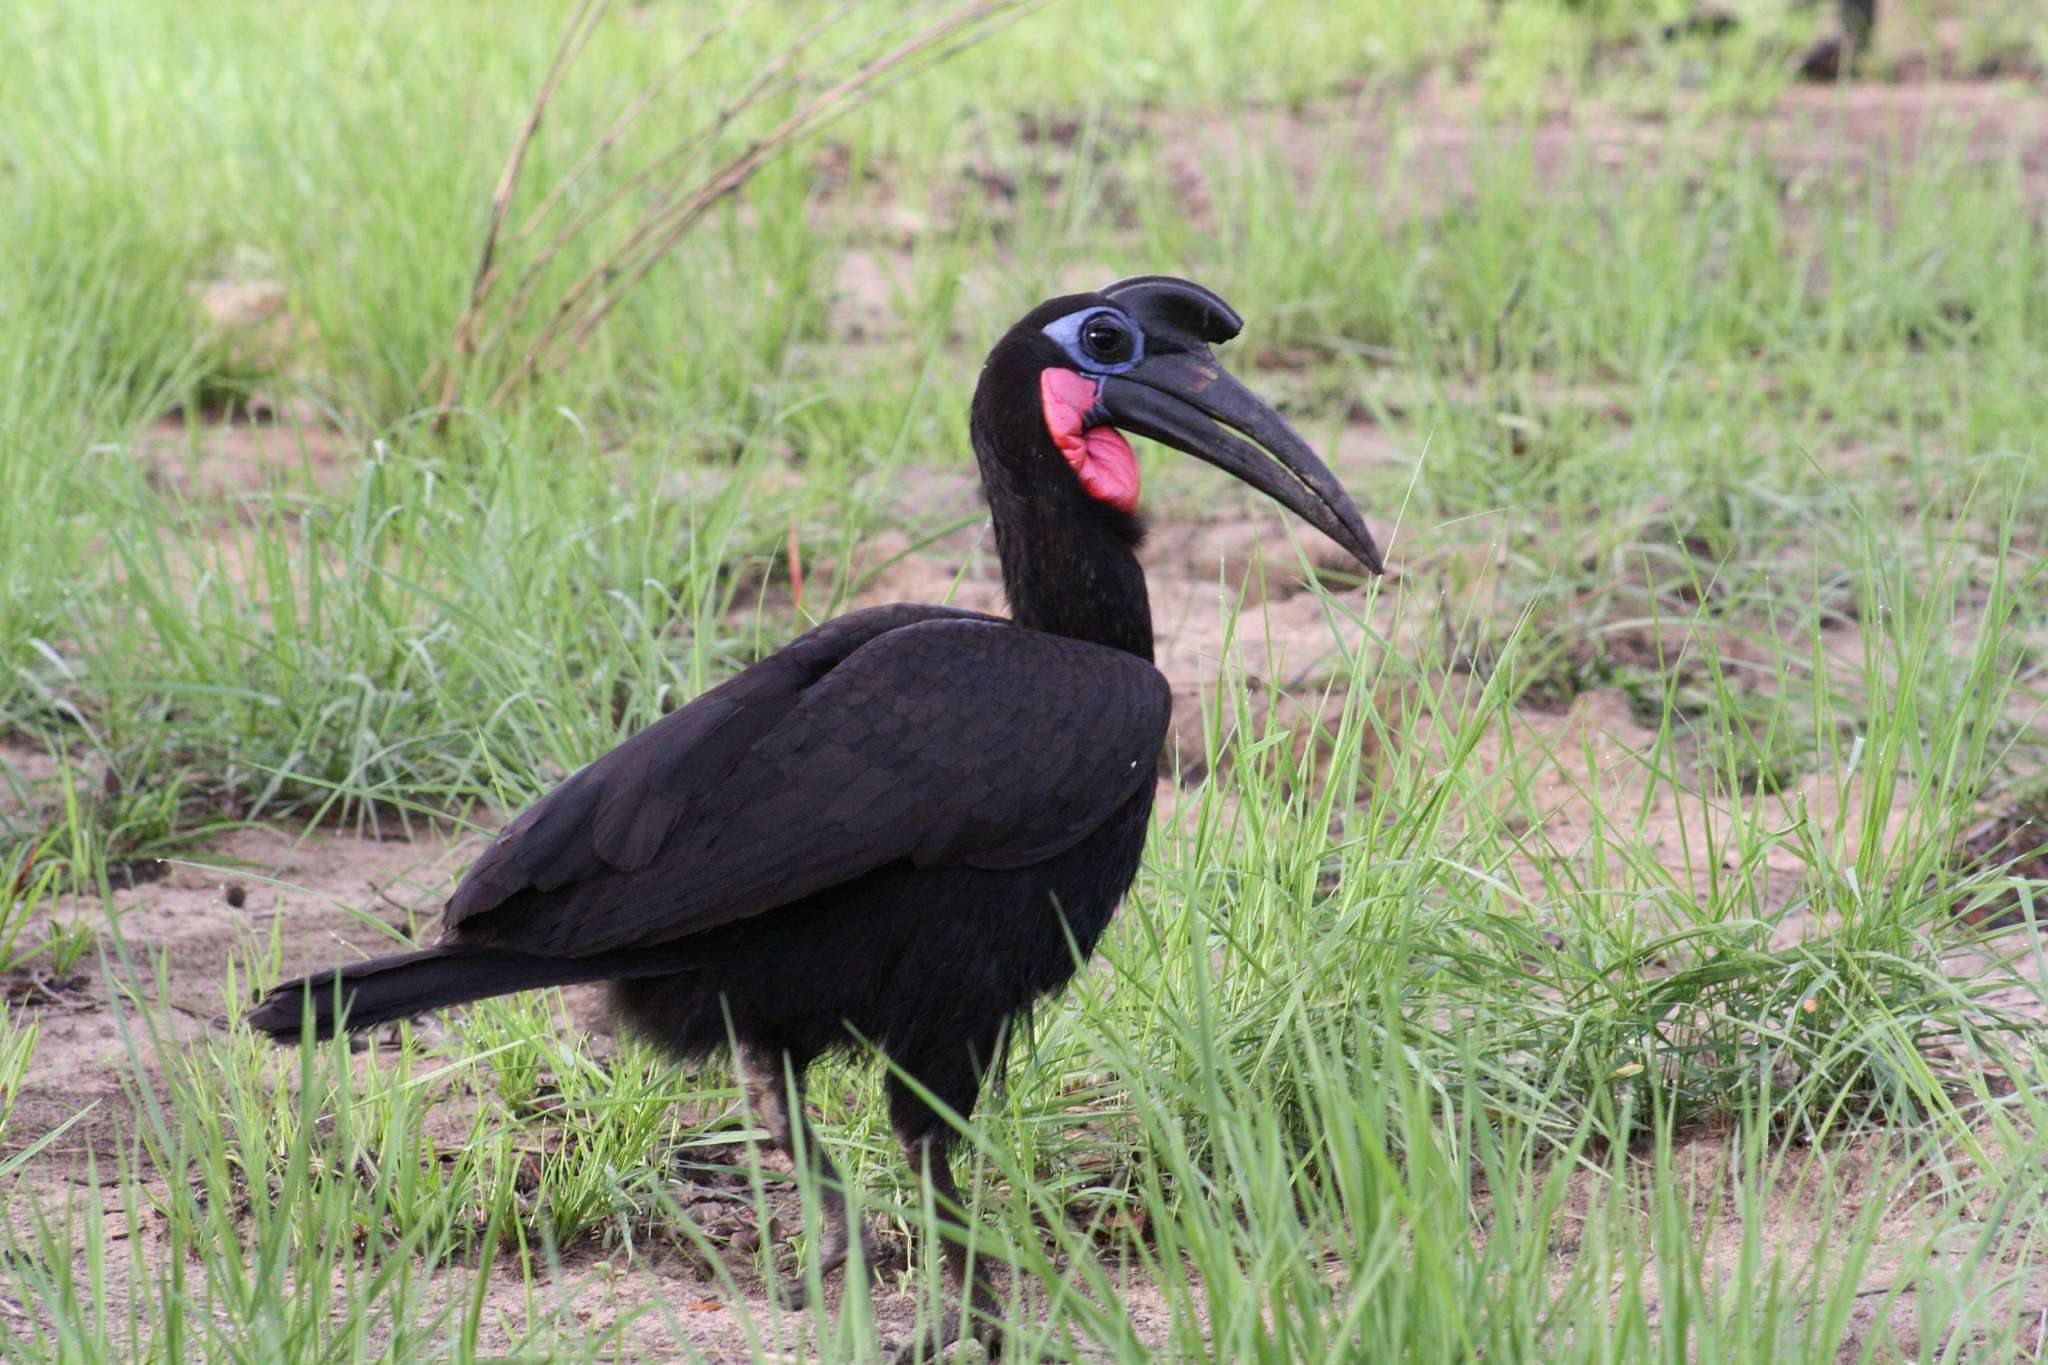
{"points": [[1099, 340], [1106, 339]]}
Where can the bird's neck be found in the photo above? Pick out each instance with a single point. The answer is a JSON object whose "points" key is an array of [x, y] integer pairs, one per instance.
{"points": [[1082, 581], [1070, 564]]}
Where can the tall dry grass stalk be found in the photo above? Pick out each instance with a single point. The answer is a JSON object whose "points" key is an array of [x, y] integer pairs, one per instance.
{"points": [[502, 340]]}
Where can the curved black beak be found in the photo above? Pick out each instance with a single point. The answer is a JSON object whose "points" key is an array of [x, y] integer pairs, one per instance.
{"points": [[1188, 401]]}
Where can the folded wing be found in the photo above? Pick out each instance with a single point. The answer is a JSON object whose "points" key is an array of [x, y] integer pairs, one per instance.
{"points": [[918, 734]]}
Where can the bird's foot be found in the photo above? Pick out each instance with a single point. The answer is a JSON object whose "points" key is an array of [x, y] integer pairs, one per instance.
{"points": [[795, 1292], [929, 1347], [982, 1324]]}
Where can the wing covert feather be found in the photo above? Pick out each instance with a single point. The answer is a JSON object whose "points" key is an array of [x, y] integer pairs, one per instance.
{"points": [[944, 739]]}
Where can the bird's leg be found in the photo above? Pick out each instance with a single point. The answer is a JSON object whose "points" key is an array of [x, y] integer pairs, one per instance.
{"points": [[977, 1310], [779, 1101]]}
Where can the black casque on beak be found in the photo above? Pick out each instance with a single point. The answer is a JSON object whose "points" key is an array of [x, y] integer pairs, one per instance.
{"points": [[1179, 395]]}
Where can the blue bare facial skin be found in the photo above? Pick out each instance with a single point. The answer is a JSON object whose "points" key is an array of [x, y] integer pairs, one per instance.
{"points": [[1099, 340]]}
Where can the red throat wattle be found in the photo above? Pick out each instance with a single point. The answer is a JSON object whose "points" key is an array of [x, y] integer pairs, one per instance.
{"points": [[1101, 458]]}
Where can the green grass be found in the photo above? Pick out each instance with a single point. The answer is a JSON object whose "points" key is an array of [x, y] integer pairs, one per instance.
{"points": [[1436, 1029]]}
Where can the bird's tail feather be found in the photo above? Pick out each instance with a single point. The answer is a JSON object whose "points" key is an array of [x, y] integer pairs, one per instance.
{"points": [[364, 994]]}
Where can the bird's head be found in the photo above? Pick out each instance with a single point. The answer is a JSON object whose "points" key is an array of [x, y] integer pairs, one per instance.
{"points": [[1078, 372]]}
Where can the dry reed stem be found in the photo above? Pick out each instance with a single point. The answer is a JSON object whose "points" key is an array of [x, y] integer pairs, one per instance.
{"points": [[623, 124], [796, 567], [677, 207], [734, 174], [582, 23], [768, 81]]}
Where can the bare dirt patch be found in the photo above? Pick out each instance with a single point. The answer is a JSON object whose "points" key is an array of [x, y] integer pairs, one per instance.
{"points": [[1594, 778], [319, 898], [1809, 1194], [227, 447], [691, 1307], [214, 461], [26, 770], [1439, 135]]}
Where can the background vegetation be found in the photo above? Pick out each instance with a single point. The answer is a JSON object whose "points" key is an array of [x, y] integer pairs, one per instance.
{"points": [[1439, 1026]]}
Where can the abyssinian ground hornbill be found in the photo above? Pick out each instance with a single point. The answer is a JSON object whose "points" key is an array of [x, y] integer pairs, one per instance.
{"points": [[899, 828]]}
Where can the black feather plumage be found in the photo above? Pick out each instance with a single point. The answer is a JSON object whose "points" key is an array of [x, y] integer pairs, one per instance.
{"points": [[910, 824]]}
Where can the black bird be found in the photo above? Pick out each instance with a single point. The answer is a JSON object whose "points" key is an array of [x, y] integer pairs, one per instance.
{"points": [[899, 828]]}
